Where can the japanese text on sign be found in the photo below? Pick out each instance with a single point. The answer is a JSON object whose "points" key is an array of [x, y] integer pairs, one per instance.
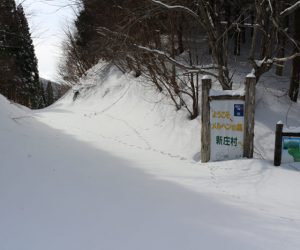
{"points": [[227, 129]]}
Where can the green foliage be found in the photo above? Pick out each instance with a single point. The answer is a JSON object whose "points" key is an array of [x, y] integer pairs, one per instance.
{"points": [[293, 148], [17, 57], [291, 144], [295, 152]]}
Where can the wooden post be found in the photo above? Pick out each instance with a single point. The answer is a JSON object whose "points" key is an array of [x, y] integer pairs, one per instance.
{"points": [[205, 120], [278, 144], [249, 116]]}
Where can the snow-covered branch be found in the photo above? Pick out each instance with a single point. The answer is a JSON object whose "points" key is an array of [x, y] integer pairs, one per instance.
{"points": [[190, 68], [175, 7], [285, 59], [290, 9], [270, 5]]}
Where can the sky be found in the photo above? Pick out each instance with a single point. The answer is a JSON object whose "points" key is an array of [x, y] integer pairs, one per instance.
{"points": [[47, 20]]}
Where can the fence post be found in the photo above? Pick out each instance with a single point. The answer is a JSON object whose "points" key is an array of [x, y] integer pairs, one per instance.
{"points": [[249, 116], [205, 120], [278, 144]]}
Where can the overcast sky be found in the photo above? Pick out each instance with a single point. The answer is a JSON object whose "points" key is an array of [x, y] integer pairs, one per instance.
{"points": [[47, 19]]}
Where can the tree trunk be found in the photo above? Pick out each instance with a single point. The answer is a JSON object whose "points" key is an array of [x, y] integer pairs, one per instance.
{"points": [[243, 30], [252, 24], [294, 83], [195, 111], [280, 54], [237, 43], [281, 41], [180, 35], [295, 78]]}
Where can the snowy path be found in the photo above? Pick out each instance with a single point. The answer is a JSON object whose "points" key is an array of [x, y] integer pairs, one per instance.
{"points": [[66, 194], [246, 181], [89, 178], [124, 207]]}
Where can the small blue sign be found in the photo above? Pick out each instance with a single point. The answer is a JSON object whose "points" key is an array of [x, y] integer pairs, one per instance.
{"points": [[238, 109]]}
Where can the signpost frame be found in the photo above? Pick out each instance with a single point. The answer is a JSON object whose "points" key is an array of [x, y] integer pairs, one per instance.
{"points": [[279, 134], [249, 115]]}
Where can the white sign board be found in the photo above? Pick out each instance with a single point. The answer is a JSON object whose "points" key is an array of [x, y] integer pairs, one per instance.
{"points": [[227, 129]]}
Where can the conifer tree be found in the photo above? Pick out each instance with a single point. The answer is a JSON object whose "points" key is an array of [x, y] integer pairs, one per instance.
{"points": [[8, 48], [49, 94], [43, 94], [20, 77], [30, 86]]}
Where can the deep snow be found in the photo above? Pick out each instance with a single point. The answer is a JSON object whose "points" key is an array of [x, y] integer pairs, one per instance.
{"points": [[119, 169]]}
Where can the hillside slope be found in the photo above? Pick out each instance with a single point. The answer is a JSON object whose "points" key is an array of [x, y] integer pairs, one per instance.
{"points": [[118, 168], [123, 115]]}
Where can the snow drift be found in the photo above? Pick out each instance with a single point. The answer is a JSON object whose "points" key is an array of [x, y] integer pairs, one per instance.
{"points": [[118, 168]]}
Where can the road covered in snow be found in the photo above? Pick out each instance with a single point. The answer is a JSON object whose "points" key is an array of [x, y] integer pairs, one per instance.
{"points": [[111, 171]]}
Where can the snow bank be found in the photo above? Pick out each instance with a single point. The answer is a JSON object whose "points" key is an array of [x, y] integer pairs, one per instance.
{"points": [[129, 118], [10, 113], [118, 168], [237, 92], [291, 129]]}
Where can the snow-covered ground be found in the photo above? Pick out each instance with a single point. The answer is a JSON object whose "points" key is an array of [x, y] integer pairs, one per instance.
{"points": [[118, 168]]}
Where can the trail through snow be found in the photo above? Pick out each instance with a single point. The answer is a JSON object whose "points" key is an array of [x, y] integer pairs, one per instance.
{"points": [[113, 171]]}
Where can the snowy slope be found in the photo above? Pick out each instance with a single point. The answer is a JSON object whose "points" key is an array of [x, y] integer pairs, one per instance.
{"points": [[121, 114], [118, 168]]}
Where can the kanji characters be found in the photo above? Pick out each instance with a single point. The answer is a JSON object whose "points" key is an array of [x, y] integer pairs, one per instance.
{"points": [[226, 141]]}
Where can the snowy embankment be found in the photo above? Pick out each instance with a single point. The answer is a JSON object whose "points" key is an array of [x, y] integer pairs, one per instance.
{"points": [[119, 169]]}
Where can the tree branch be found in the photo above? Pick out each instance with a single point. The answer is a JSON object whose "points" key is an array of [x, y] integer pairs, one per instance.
{"points": [[290, 9], [193, 68], [176, 7], [285, 59]]}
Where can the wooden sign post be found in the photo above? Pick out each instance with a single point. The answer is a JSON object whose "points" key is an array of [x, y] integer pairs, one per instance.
{"points": [[235, 124], [205, 121], [249, 116], [278, 144]]}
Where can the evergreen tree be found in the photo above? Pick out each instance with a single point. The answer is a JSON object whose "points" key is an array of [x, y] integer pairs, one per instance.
{"points": [[20, 78], [49, 94], [8, 48], [30, 88], [43, 94]]}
